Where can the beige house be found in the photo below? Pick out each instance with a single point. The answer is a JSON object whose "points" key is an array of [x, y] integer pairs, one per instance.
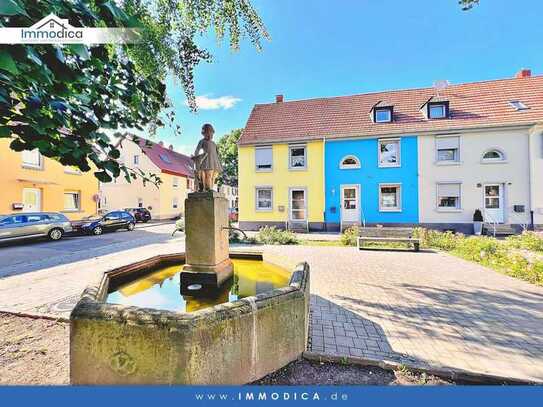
{"points": [[165, 201]]}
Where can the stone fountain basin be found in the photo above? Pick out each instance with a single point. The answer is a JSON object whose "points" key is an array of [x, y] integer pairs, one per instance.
{"points": [[231, 343]]}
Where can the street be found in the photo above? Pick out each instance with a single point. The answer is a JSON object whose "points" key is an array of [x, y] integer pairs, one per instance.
{"points": [[25, 256]]}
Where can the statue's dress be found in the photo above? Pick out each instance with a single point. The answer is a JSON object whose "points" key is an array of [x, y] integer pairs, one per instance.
{"points": [[210, 160]]}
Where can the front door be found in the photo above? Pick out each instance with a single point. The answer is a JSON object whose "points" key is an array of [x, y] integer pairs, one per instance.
{"points": [[298, 205], [350, 205], [31, 200], [493, 202]]}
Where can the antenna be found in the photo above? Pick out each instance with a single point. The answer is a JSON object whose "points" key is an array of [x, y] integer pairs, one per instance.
{"points": [[441, 85]]}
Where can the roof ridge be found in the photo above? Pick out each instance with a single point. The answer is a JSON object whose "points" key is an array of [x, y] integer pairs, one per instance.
{"points": [[397, 90]]}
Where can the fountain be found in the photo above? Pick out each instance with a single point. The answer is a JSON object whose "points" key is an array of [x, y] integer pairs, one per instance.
{"points": [[207, 316]]}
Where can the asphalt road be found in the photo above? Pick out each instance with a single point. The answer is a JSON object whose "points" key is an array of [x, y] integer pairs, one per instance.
{"points": [[35, 254]]}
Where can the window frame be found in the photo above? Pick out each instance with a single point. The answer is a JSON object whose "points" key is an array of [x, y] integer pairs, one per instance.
{"points": [[136, 159], [398, 186], [388, 109], [175, 202], [261, 188], [257, 169], [175, 182], [297, 146], [78, 201], [445, 106], [399, 158], [502, 159], [457, 208], [30, 165], [437, 149], [349, 166]]}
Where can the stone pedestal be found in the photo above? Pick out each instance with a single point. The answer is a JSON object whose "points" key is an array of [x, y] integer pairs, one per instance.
{"points": [[206, 244]]}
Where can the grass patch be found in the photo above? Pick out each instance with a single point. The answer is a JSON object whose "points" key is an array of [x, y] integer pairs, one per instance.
{"points": [[500, 255]]}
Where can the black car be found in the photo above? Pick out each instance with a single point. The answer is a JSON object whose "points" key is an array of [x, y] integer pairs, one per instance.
{"points": [[110, 221], [140, 214]]}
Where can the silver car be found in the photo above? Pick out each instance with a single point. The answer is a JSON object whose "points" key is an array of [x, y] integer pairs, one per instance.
{"points": [[36, 224]]}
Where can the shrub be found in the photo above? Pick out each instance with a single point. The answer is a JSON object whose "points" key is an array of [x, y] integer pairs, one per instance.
{"points": [[439, 240], [478, 216], [527, 240], [272, 235], [349, 236]]}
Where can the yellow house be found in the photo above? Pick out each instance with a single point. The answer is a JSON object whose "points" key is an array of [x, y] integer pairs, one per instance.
{"points": [[281, 184], [30, 182], [166, 201]]}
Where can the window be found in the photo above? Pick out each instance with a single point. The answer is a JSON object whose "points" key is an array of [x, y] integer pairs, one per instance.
{"points": [[32, 158], [175, 182], [140, 203], [165, 158], [383, 115], [349, 162], [190, 184], [448, 149], [518, 105], [13, 220], [264, 198], [493, 156], [438, 110], [71, 201], [448, 196], [297, 157], [389, 153], [175, 203], [390, 197], [136, 160], [263, 158]]}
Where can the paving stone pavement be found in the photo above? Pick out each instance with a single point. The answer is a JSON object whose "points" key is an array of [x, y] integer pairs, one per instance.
{"points": [[427, 309]]}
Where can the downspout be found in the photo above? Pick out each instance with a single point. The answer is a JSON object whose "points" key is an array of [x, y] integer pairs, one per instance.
{"points": [[532, 133], [324, 182]]}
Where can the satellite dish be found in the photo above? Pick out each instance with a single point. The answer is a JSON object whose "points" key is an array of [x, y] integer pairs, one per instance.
{"points": [[441, 85]]}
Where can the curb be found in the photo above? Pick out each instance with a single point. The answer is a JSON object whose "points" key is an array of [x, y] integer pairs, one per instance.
{"points": [[443, 372], [36, 316]]}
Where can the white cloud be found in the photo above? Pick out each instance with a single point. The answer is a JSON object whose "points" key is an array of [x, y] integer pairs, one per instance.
{"points": [[205, 102]]}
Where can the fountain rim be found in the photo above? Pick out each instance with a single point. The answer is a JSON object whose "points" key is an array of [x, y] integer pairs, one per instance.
{"points": [[92, 303]]}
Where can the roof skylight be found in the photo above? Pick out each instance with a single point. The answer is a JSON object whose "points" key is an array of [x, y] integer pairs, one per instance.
{"points": [[517, 104]]}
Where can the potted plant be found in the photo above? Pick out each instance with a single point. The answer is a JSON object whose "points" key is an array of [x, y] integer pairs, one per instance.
{"points": [[477, 222]]}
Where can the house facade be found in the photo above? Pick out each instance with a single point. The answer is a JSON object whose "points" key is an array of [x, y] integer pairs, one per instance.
{"points": [[166, 201], [31, 182], [429, 156]]}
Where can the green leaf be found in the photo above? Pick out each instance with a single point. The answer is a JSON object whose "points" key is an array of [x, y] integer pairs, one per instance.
{"points": [[5, 131], [7, 63], [102, 176], [11, 8], [80, 50]]}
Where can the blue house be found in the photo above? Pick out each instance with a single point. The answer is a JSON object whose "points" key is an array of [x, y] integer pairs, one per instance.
{"points": [[371, 181]]}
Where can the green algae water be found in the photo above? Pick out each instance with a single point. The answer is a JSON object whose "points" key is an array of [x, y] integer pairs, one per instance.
{"points": [[161, 288]]}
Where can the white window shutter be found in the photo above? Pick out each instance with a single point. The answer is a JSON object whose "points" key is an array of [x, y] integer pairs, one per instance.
{"points": [[446, 143], [449, 190]]}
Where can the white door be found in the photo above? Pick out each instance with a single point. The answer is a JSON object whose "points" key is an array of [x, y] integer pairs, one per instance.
{"points": [[350, 204], [31, 200], [493, 201], [298, 208]]}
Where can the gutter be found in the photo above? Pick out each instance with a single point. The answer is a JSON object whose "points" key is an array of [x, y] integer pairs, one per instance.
{"points": [[446, 131]]}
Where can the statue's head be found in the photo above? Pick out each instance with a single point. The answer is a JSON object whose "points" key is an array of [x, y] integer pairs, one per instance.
{"points": [[208, 131]]}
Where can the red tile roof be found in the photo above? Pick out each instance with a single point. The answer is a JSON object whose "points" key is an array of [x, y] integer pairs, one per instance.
{"points": [[169, 161], [472, 105]]}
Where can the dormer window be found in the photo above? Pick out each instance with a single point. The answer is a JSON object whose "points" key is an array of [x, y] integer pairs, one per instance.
{"points": [[382, 112], [438, 110], [383, 115]]}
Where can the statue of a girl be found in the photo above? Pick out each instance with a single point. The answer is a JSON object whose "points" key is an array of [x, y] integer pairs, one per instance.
{"points": [[206, 160]]}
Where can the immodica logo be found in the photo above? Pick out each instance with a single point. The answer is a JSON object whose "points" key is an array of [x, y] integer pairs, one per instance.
{"points": [[55, 30]]}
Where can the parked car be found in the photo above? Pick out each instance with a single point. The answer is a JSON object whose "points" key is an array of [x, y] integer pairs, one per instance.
{"points": [[140, 214], [31, 225], [110, 221]]}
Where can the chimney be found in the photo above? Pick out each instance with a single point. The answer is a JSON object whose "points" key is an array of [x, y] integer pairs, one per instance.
{"points": [[278, 98], [523, 73], [171, 147], [161, 143]]}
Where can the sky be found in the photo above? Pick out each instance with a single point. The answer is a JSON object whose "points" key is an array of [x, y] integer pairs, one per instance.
{"points": [[322, 48]]}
